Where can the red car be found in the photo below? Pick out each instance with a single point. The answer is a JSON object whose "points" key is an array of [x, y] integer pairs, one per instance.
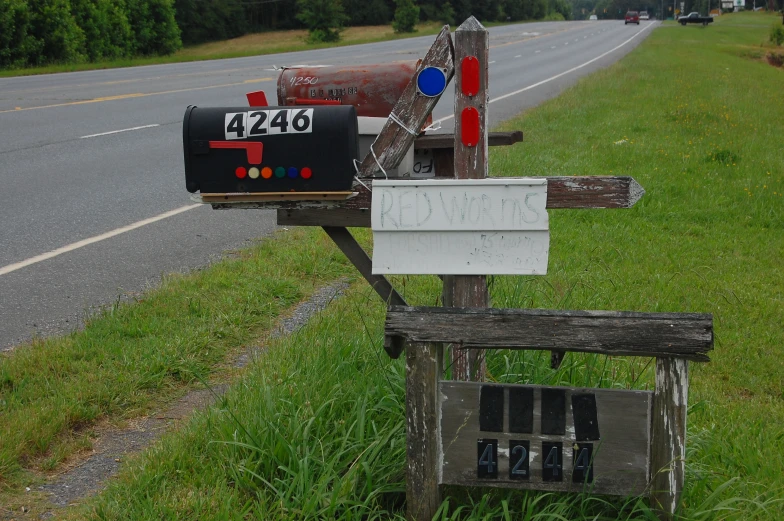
{"points": [[632, 17]]}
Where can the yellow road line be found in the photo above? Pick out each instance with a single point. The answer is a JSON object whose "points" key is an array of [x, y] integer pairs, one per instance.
{"points": [[134, 95]]}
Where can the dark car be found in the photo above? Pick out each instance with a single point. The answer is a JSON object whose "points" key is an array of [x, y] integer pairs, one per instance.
{"points": [[632, 17]]}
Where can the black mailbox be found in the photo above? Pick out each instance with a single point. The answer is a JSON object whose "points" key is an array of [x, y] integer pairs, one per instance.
{"points": [[270, 149]]}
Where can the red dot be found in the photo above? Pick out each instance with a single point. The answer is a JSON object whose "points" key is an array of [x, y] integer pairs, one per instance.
{"points": [[306, 173], [241, 172]]}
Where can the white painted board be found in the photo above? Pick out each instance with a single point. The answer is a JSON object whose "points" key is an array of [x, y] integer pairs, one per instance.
{"points": [[460, 227]]}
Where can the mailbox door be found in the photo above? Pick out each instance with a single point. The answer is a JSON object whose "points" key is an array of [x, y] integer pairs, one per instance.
{"points": [[270, 149]]}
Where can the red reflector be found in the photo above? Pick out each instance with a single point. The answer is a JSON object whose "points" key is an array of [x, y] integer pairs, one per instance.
{"points": [[257, 99], [253, 148], [469, 76], [241, 172], [306, 173], [469, 126]]}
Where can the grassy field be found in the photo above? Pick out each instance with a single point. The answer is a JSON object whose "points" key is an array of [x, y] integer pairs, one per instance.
{"points": [[315, 429]]}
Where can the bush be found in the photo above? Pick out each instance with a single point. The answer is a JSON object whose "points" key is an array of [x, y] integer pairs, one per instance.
{"points": [[58, 38], [406, 16], [16, 42], [201, 21], [106, 28], [153, 27], [777, 35], [323, 18]]}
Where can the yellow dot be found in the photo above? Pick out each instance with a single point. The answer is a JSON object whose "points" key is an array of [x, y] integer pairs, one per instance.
{"points": [[253, 173], [266, 172]]}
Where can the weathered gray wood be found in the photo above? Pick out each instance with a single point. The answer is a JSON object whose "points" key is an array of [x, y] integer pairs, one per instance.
{"points": [[354, 252], [423, 369], [668, 435], [562, 192], [620, 459], [471, 41], [592, 192], [411, 109], [618, 333], [494, 139]]}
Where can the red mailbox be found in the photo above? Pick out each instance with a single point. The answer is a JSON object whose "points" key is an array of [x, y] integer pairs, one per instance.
{"points": [[372, 89]]}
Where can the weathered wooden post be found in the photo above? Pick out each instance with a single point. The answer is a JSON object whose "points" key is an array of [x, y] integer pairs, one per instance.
{"points": [[472, 44], [423, 372], [668, 435]]}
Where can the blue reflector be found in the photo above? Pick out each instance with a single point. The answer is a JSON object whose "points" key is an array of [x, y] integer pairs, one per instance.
{"points": [[431, 81]]}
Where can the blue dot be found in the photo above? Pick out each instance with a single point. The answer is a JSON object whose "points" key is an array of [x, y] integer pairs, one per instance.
{"points": [[431, 81], [293, 172]]}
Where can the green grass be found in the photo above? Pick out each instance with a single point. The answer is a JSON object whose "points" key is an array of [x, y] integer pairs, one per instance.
{"points": [[132, 356], [315, 429]]}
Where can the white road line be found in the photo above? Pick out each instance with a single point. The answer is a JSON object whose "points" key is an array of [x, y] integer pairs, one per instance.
{"points": [[518, 56], [92, 240], [537, 51], [519, 91], [490, 63], [118, 131], [553, 47]]}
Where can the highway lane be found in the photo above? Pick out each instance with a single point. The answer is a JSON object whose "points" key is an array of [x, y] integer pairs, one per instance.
{"points": [[65, 180]]}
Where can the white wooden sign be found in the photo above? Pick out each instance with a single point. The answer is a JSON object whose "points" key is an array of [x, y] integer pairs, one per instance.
{"points": [[494, 226]]}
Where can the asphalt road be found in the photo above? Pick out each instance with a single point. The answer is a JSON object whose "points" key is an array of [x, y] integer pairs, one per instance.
{"points": [[93, 205]]}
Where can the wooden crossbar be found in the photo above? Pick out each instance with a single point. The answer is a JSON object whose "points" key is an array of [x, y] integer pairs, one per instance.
{"points": [[620, 333]]}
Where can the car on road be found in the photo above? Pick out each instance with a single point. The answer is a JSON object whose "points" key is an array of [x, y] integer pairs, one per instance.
{"points": [[695, 18], [644, 15], [593, 17], [632, 17]]}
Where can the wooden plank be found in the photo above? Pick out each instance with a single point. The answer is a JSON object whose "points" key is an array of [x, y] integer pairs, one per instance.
{"points": [[411, 111], [619, 445], [562, 192], [494, 139], [354, 252], [472, 44], [617, 333], [668, 435], [423, 369], [253, 197]]}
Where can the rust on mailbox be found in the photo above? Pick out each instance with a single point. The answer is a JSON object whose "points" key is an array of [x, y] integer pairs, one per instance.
{"points": [[372, 89]]}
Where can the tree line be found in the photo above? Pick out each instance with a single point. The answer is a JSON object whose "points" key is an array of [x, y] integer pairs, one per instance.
{"points": [[40, 32]]}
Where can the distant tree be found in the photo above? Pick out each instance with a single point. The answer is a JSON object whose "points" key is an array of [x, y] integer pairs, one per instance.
{"points": [[17, 43], [447, 14], [106, 28], [58, 38], [203, 21], [367, 12], [153, 27], [323, 18], [406, 16]]}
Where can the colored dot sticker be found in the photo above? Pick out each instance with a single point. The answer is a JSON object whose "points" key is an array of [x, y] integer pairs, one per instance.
{"points": [[280, 172], [293, 172], [431, 81], [241, 172], [253, 173], [306, 173], [266, 172]]}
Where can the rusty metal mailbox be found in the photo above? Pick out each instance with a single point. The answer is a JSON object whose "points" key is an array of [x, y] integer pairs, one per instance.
{"points": [[270, 149], [372, 89]]}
